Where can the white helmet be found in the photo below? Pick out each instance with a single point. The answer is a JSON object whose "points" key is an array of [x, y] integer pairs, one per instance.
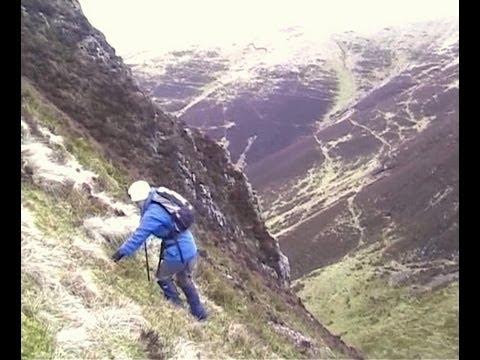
{"points": [[139, 190]]}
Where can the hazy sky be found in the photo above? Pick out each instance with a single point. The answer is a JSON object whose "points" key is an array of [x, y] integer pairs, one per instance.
{"points": [[161, 25]]}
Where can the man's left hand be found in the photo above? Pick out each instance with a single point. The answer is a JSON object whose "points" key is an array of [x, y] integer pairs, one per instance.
{"points": [[117, 256]]}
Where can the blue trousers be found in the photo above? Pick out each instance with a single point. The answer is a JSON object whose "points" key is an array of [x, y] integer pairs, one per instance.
{"points": [[183, 273]]}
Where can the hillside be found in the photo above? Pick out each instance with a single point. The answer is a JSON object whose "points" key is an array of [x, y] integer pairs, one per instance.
{"points": [[87, 132], [352, 145], [379, 105]]}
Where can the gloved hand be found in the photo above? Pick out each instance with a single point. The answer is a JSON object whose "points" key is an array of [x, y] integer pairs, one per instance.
{"points": [[117, 256]]}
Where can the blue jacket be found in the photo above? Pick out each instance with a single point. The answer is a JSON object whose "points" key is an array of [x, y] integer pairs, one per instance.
{"points": [[157, 221]]}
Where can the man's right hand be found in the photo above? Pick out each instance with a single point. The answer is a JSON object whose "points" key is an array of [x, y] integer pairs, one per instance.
{"points": [[117, 256]]}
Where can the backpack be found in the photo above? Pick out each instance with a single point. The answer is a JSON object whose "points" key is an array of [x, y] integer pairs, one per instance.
{"points": [[177, 206]]}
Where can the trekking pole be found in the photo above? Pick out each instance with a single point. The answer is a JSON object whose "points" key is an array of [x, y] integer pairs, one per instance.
{"points": [[146, 260]]}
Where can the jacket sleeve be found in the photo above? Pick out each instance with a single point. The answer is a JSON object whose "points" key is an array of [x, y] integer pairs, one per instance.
{"points": [[153, 222], [148, 225]]}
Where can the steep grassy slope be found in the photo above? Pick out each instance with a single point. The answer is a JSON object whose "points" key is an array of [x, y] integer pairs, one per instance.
{"points": [[77, 303], [87, 131], [72, 65]]}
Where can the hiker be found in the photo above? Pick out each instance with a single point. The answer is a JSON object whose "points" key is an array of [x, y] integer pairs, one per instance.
{"points": [[179, 252]]}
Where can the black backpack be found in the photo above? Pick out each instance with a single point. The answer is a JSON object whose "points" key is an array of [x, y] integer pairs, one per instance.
{"points": [[177, 206]]}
